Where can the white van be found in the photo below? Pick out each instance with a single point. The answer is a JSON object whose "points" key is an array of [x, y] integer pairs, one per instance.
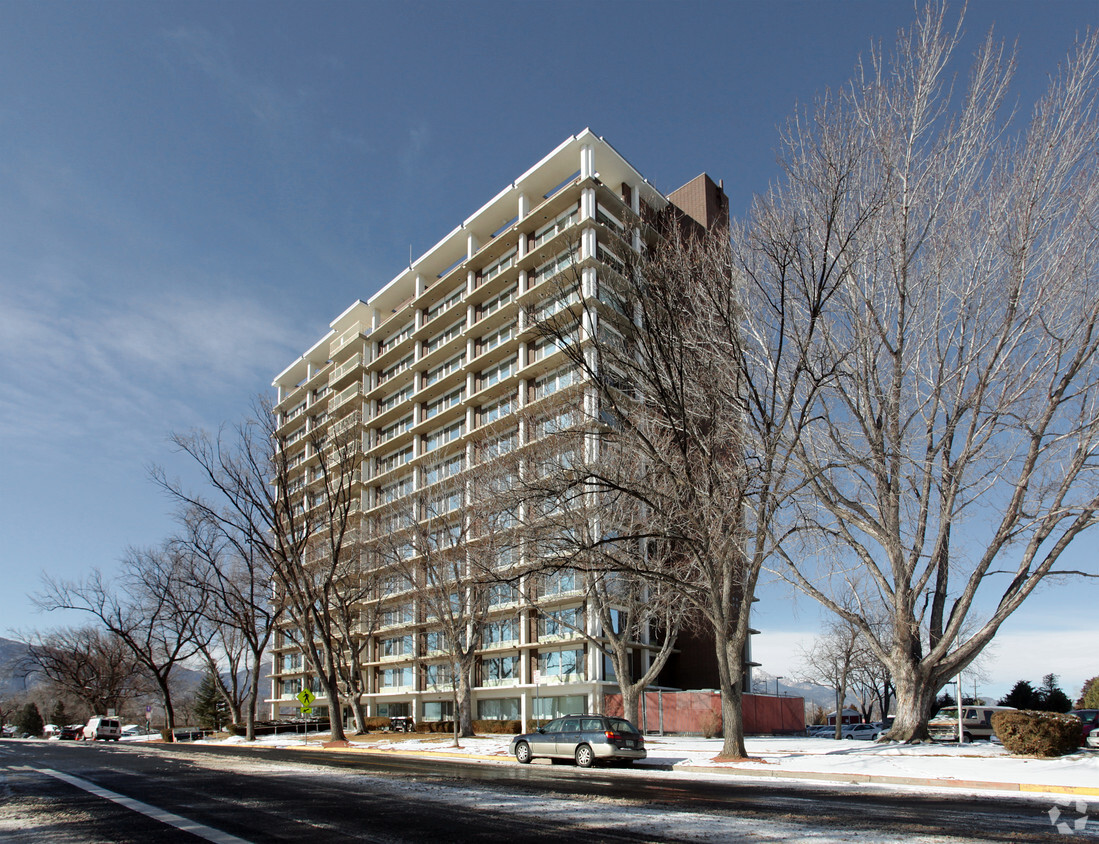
{"points": [[976, 723], [99, 728]]}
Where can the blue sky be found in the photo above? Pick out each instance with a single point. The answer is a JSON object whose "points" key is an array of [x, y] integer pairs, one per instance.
{"points": [[190, 192]]}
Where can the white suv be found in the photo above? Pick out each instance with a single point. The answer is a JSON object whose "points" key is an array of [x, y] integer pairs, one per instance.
{"points": [[99, 728]]}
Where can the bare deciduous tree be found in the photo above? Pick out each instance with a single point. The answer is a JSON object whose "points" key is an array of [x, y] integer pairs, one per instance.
{"points": [[307, 535], [95, 667], [140, 606], [953, 458]]}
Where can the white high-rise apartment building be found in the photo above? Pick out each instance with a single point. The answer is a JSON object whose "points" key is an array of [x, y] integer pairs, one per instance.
{"points": [[439, 371]]}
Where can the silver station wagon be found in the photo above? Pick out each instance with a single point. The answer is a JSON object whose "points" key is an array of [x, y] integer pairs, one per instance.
{"points": [[586, 739]]}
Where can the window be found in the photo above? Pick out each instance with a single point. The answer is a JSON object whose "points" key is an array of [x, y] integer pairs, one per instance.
{"points": [[560, 623], [548, 345], [394, 370], [394, 678], [497, 410], [445, 305], [498, 266], [504, 631], [395, 646], [396, 429], [560, 582], [494, 304], [496, 374], [438, 710], [555, 423], [401, 614], [611, 259], [499, 669], [398, 489], [555, 707], [394, 399], [562, 663], [557, 264], [444, 369], [500, 445], [394, 339], [501, 594], [608, 219], [547, 385], [291, 662], [444, 504], [451, 399], [439, 674], [394, 459], [443, 469], [442, 436], [555, 304], [444, 337], [496, 338], [558, 224], [435, 642], [498, 709]]}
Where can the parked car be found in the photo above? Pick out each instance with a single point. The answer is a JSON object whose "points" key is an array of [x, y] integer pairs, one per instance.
{"points": [[72, 732], [1089, 720], [976, 723], [99, 728], [819, 730], [860, 731], [1093, 738], [585, 739]]}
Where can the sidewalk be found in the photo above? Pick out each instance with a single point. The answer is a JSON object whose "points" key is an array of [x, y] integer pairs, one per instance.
{"points": [[973, 767]]}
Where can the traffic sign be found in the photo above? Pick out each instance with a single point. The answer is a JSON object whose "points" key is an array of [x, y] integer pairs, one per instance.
{"points": [[306, 710], [306, 698]]}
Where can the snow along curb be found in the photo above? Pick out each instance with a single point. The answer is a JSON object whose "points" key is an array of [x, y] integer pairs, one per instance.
{"points": [[884, 779]]}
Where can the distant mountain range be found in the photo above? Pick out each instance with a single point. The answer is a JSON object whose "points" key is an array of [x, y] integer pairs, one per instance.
{"points": [[12, 655], [822, 696]]}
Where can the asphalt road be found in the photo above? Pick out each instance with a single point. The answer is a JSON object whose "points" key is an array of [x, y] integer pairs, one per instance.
{"points": [[78, 793]]}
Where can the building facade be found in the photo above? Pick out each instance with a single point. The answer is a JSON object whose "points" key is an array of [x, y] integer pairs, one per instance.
{"points": [[441, 374]]}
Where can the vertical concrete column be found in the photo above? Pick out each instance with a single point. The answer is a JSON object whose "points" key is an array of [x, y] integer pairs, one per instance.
{"points": [[587, 204], [471, 384], [472, 245], [587, 244], [471, 281], [419, 285], [587, 161], [524, 207]]}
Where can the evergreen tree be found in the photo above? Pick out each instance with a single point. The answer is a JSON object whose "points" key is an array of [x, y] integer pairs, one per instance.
{"points": [[1089, 695], [1050, 696], [210, 707], [58, 716], [29, 720], [1021, 696]]}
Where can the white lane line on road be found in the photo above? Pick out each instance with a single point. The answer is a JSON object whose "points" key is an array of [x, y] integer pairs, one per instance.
{"points": [[193, 827]]}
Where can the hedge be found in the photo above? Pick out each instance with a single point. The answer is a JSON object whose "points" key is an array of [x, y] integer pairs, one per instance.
{"points": [[1025, 732]]}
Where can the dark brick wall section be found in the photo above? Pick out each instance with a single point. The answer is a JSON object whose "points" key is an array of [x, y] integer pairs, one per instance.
{"points": [[703, 201]]}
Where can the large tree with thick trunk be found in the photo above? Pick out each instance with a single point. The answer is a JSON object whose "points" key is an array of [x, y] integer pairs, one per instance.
{"points": [[952, 457]]}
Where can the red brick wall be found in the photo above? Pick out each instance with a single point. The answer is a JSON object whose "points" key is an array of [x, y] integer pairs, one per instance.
{"points": [[689, 712]]}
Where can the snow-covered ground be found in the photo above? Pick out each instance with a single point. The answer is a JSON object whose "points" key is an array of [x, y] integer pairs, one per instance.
{"points": [[946, 764]]}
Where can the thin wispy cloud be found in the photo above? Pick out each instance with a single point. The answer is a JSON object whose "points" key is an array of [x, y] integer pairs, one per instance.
{"points": [[211, 55]]}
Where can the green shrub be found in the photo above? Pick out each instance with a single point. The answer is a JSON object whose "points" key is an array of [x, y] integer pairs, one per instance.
{"points": [[1030, 733]]}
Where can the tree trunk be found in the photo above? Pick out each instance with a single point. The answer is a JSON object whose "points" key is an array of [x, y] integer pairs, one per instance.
{"points": [[631, 697], [358, 712], [253, 699], [730, 669], [335, 706], [915, 699], [839, 713], [465, 703]]}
